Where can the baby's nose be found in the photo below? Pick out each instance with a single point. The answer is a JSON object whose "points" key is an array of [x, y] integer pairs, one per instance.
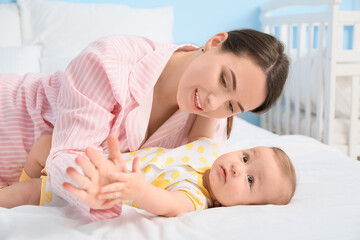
{"points": [[237, 169]]}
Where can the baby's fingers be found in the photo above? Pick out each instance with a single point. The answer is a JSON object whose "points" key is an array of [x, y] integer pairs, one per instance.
{"points": [[112, 195], [135, 165], [117, 177], [118, 186]]}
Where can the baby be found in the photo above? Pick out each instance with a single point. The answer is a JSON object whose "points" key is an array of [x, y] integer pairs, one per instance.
{"points": [[165, 182]]}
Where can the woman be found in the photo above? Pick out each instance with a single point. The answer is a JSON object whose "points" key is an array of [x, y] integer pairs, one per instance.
{"points": [[146, 93]]}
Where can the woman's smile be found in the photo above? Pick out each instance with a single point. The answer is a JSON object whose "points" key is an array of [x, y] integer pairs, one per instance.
{"points": [[195, 101]]}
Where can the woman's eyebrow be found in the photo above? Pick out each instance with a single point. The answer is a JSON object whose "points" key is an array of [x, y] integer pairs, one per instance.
{"points": [[233, 76], [233, 79]]}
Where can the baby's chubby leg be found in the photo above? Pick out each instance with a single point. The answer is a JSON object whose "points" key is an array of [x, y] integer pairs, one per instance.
{"points": [[28, 192], [37, 156], [22, 193]]}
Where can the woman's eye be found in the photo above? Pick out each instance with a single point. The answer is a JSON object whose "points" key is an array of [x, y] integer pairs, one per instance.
{"points": [[250, 180], [231, 107], [245, 158], [223, 81]]}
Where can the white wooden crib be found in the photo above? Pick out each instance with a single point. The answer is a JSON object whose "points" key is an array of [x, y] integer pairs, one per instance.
{"points": [[321, 96]]}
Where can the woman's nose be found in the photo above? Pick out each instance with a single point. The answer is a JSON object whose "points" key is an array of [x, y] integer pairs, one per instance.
{"points": [[215, 101]]}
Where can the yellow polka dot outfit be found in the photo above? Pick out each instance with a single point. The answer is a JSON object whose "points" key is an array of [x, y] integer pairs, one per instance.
{"points": [[178, 169]]}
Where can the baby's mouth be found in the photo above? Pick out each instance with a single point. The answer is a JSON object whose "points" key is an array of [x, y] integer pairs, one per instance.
{"points": [[223, 173]]}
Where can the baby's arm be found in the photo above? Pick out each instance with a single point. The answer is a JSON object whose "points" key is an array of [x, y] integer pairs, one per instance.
{"points": [[202, 127], [133, 186], [100, 188], [22, 193]]}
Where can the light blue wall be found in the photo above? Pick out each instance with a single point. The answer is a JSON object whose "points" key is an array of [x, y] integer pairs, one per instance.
{"points": [[197, 20]]}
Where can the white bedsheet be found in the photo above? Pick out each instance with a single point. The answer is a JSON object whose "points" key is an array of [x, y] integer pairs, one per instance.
{"points": [[326, 205]]}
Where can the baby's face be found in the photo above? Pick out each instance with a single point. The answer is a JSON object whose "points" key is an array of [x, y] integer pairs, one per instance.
{"points": [[251, 176]]}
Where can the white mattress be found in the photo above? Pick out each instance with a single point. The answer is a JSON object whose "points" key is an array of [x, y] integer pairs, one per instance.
{"points": [[326, 205]]}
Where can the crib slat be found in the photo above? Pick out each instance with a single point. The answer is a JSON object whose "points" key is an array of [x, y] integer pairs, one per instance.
{"points": [[279, 112], [319, 64], [330, 83], [310, 77], [356, 39], [287, 89], [354, 116]]}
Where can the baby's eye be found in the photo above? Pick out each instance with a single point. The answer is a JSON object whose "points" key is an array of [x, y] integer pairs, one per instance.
{"points": [[245, 158], [250, 180]]}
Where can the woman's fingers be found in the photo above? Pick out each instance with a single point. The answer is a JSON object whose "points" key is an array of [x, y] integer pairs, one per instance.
{"points": [[114, 152], [82, 181], [95, 156], [87, 167], [79, 193]]}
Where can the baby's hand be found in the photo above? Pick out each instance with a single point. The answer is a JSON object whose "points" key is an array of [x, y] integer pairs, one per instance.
{"points": [[95, 176], [126, 185]]}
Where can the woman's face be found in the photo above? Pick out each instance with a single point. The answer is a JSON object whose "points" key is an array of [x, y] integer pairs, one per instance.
{"points": [[218, 84]]}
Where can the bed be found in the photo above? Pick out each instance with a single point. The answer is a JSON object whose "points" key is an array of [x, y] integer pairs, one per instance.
{"points": [[326, 204], [322, 95]]}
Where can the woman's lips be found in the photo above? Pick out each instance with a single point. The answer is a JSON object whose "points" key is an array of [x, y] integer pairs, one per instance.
{"points": [[193, 101]]}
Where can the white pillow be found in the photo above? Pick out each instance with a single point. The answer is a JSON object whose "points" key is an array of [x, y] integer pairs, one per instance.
{"points": [[9, 25], [20, 60], [64, 28]]}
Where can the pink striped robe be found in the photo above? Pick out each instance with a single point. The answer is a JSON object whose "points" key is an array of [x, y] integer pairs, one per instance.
{"points": [[108, 88]]}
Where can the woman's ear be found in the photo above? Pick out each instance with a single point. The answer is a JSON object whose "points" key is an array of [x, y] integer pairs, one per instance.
{"points": [[216, 40]]}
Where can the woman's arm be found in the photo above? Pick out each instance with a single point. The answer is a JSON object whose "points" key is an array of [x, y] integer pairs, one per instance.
{"points": [[203, 127], [84, 115]]}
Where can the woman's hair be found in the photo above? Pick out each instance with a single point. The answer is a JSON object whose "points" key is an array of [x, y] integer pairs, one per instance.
{"points": [[288, 170], [268, 53]]}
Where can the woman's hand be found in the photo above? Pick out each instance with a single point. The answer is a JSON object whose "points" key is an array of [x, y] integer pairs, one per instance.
{"points": [[96, 172]]}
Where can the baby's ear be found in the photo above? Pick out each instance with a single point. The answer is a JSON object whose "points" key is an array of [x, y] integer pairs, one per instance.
{"points": [[217, 204]]}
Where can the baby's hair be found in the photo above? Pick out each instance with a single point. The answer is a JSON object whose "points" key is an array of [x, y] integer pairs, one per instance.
{"points": [[288, 169]]}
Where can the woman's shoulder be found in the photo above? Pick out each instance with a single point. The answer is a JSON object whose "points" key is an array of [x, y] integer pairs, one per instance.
{"points": [[132, 44]]}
